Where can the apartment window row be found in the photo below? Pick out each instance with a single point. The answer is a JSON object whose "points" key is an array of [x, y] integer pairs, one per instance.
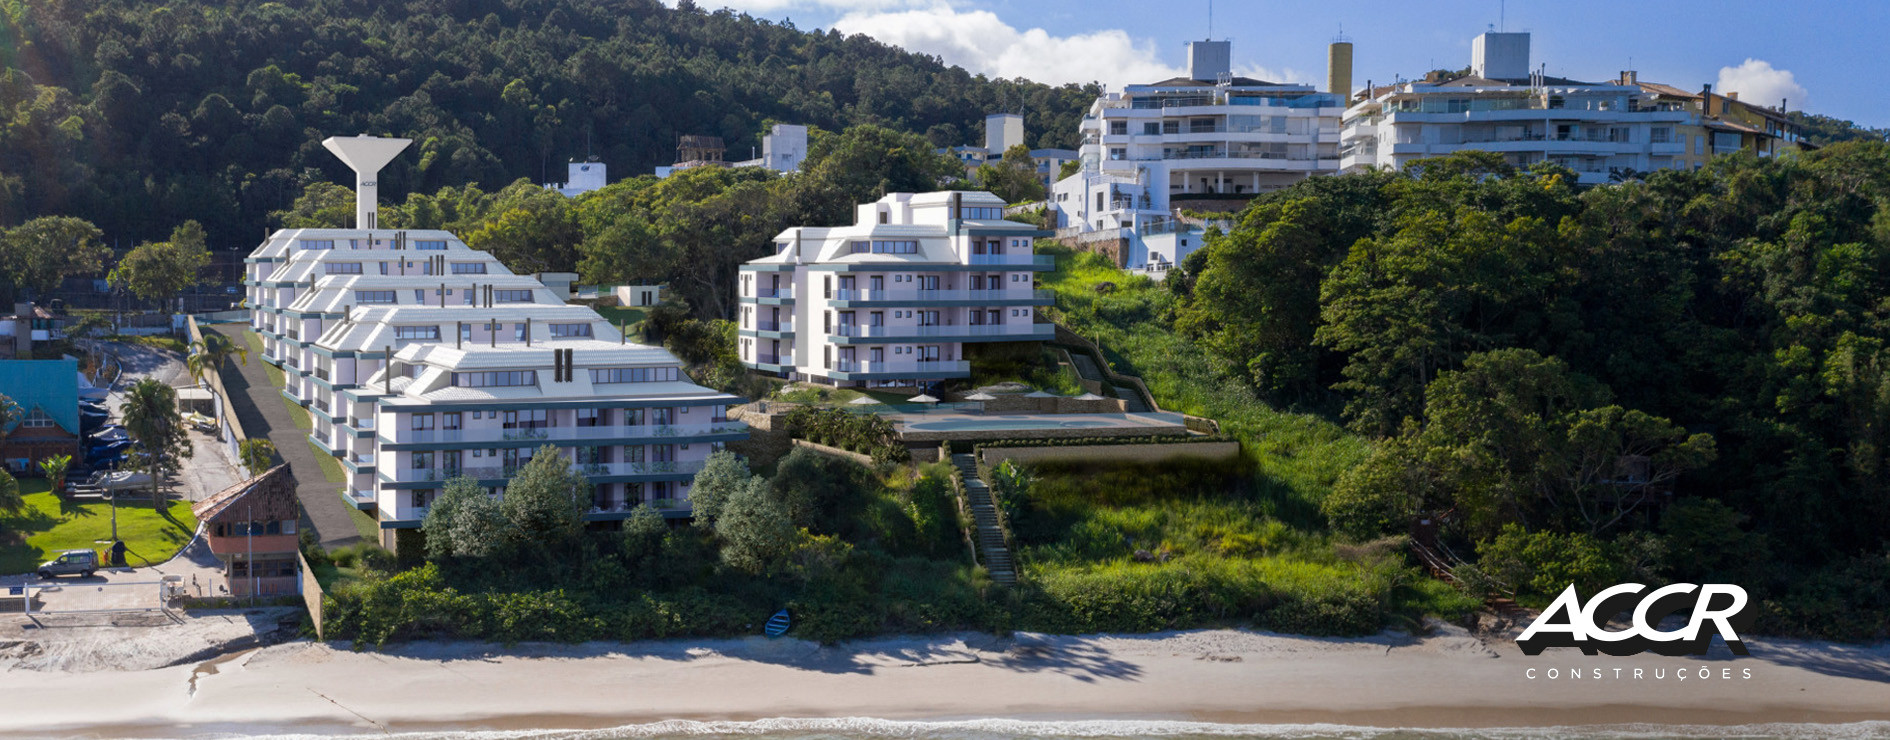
{"points": [[241, 529], [318, 244], [429, 244], [886, 246], [570, 330], [981, 213], [469, 268], [417, 332], [495, 378], [344, 268], [634, 374], [512, 296], [374, 296]]}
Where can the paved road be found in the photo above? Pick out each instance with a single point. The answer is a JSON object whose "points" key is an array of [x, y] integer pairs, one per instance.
{"points": [[260, 409]]}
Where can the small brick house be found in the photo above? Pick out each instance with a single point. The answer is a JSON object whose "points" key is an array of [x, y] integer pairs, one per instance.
{"points": [[47, 393], [251, 528]]}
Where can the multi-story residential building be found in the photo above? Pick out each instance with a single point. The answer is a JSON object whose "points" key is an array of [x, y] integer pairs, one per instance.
{"points": [[357, 346], [290, 262], [895, 299], [1209, 134], [420, 360], [624, 414], [1601, 130]]}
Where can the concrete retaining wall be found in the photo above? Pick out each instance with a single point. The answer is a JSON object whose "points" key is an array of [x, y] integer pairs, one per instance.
{"points": [[866, 460], [1022, 404], [1134, 453], [311, 594]]}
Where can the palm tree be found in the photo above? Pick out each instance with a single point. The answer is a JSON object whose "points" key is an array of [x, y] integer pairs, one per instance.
{"points": [[211, 353], [55, 468], [151, 419]]}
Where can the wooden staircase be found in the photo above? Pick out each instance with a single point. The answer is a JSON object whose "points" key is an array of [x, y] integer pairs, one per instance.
{"points": [[988, 532]]}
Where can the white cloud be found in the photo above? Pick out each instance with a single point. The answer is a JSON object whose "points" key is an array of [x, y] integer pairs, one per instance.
{"points": [[760, 7], [983, 43], [1757, 82]]}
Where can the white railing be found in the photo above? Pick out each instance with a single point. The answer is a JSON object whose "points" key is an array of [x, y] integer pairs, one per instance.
{"points": [[970, 330], [930, 366]]}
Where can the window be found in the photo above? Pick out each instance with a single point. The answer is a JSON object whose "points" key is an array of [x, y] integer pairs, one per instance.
{"points": [[39, 419], [373, 296], [318, 244], [570, 330], [344, 268], [422, 460], [890, 246], [496, 378], [533, 419], [512, 296], [429, 244], [449, 421], [1151, 128], [634, 374], [1118, 127], [981, 213], [417, 332], [421, 422], [469, 268], [862, 247], [420, 295]]}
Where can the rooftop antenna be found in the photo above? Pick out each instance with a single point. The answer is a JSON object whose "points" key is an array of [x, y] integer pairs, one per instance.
{"points": [[1502, 15], [366, 155], [1210, 35]]}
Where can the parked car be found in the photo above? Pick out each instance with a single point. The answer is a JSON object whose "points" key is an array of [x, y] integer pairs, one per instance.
{"points": [[81, 562]]}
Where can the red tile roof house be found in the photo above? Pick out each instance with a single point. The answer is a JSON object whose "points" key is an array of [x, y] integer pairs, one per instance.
{"points": [[251, 528]]}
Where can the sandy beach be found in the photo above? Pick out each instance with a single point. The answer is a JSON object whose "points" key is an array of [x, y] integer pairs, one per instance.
{"points": [[1447, 679]]}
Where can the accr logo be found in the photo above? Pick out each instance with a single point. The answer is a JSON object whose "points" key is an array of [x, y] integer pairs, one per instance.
{"points": [[1568, 623]]}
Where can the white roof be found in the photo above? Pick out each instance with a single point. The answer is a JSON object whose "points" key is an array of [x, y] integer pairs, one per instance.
{"points": [[372, 328], [434, 382], [332, 293], [285, 242]]}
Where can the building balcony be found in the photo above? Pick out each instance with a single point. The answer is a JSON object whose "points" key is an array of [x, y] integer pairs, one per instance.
{"points": [[1015, 297], [867, 334], [868, 370], [776, 361], [682, 432], [591, 470], [1014, 259], [783, 327]]}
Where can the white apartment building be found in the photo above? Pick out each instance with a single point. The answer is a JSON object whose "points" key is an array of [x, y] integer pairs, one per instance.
{"points": [[357, 346], [894, 299], [1210, 134], [581, 177], [420, 360], [1599, 130], [624, 414]]}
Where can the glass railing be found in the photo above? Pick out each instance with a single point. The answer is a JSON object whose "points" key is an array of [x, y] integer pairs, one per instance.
{"points": [[775, 325], [774, 359], [943, 295], [933, 366], [425, 436], [1013, 259], [498, 472], [970, 330], [785, 291]]}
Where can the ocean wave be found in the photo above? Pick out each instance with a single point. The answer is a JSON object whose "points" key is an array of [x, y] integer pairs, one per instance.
{"points": [[866, 728]]}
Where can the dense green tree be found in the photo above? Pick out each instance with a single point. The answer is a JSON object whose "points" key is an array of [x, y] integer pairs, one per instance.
{"points": [[162, 270], [544, 502], [258, 455], [756, 529], [152, 421], [37, 255], [721, 477], [464, 521], [1013, 177]]}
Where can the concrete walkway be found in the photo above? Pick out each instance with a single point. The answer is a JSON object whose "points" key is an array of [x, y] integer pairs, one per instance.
{"points": [[260, 409]]}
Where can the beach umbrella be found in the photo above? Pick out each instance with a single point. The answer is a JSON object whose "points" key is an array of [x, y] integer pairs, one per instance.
{"points": [[1040, 394], [981, 396], [864, 401], [1089, 397], [922, 398]]}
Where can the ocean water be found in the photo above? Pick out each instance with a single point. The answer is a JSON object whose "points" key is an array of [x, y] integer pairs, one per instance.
{"points": [[997, 729]]}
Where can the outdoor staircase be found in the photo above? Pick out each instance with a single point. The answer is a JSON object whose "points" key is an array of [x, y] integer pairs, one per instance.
{"points": [[1131, 401], [989, 533]]}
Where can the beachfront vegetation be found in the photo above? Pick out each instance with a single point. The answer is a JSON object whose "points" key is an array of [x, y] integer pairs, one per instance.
{"points": [[1576, 385], [867, 434]]}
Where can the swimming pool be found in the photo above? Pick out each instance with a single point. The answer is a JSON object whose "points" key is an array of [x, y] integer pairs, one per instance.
{"points": [[973, 425]]}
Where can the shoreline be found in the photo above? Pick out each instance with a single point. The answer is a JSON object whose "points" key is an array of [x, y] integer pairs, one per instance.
{"points": [[1448, 680]]}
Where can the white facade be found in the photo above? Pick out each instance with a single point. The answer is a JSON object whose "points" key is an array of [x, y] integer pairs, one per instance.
{"points": [[331, 305], [1207, 135], [581, 178], [893, 299], [1598, 130], [783, 149], [1001, 132]]}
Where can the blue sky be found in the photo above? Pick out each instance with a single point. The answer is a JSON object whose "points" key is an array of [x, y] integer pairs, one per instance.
{"points": [[1826, 56]]}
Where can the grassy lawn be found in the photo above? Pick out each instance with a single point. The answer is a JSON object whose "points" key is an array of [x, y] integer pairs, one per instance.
{"points": [[1297, 455], [365, 525], [46, 527], [624, 316]]}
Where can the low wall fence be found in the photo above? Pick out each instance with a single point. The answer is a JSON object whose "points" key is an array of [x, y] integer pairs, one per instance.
{"points": [[866, 460], [229, 428], [1065, 336], [311, 594], [1146, 451]]}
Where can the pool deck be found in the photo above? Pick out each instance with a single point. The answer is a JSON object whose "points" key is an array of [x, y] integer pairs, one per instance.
{"points": [[956, 425]]}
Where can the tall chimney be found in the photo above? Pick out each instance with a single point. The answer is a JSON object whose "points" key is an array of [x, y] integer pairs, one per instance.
{"points": [[366, 155], [1339, 69]]}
